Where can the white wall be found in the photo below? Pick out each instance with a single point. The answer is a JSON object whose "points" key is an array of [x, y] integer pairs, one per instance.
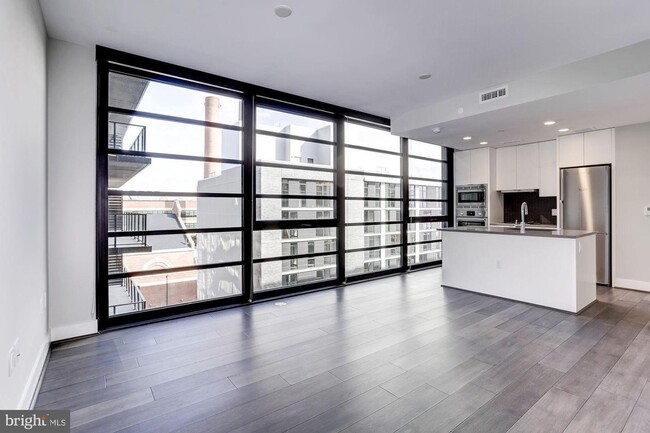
{"points": [[632, 228], [23, 224], [71, 106]]}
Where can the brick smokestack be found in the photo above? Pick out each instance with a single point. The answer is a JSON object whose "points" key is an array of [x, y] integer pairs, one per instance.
{"points": [[212, 137]]}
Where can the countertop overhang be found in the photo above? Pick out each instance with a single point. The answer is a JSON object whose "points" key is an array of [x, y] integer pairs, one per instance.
{"points": [[545, 233]]}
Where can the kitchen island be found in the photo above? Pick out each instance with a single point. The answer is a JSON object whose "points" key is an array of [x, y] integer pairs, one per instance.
{"points": [[551, 268]]}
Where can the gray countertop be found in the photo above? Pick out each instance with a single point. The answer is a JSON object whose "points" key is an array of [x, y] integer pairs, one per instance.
{"points": [[532, 226], [541, 232]]}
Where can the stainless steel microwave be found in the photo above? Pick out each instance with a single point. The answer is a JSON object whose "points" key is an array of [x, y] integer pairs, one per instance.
{"points": [[474, 194]]}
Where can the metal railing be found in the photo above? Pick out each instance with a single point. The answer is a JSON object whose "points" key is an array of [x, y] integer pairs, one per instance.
{"points": [[129, 222], [116, 134], [138, 301]]}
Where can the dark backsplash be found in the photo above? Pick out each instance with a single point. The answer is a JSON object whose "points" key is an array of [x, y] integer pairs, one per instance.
{"points": [[539, 208]]}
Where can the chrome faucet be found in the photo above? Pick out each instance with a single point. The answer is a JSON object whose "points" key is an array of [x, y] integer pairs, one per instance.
{"points": [[524, 212]]}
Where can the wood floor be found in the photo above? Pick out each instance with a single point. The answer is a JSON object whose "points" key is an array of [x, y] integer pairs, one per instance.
{"points": [[399, 354]]}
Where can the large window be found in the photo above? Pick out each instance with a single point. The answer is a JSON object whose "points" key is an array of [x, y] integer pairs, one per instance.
{"points": [[174, 195], [295, 239], [373, 200], [428, 202], [213, 192]]}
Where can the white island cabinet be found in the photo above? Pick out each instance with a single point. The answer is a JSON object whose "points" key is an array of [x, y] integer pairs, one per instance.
{"points": [[551, 268]]}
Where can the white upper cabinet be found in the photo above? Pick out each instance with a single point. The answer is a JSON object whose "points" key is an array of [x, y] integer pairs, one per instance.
{"points": [[548, 171], [506, 168], [462, 168], [472, 166], [528, 166], [518, 167], [590, 148], [480, 172], [571, 150], [598, 147]]}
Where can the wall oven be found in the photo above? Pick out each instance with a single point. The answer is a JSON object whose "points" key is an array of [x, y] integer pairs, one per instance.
{"points": [[471, 222], [471, 217], [471, 206]]}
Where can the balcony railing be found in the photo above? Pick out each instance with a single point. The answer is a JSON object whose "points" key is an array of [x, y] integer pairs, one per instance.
{"points": [[128, 222], [117, 131], [138, 302]]}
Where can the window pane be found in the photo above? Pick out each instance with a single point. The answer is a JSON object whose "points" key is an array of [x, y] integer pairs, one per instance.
{"points": [[273, 209], [372, 236], [153, 135], [372, 162], [421, 232], [357, 185], [129, 295], [365, 262], [134, 213], [280, 243], [147, 252], [291, 272], [373, 138], [427, 208], [134, 93], [296, 152], [138, 173], [426, 150], [293, 124], [364, 211], [429, 190], [424, 253], [273, 180], [427, 169]]}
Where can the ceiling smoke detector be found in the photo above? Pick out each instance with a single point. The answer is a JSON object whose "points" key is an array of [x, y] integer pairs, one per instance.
{"points": [[424, 76], [436, 130], [283, 11]]}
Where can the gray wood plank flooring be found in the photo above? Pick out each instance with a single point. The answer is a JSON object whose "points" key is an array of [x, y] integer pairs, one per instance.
{"points": [[400, 354]]}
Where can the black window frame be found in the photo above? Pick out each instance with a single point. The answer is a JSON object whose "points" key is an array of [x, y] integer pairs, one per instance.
{"points": [[252, 96]]}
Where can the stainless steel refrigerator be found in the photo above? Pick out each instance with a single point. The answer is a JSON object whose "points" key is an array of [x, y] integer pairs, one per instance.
{"points": [[586, 205]]}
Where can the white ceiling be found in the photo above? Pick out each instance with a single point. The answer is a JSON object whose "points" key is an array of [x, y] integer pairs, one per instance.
{"points": [[362, 54]]}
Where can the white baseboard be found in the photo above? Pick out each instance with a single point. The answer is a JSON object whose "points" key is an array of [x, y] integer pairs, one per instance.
{"points": [[70, 331], [623, 283], [34, 377]]}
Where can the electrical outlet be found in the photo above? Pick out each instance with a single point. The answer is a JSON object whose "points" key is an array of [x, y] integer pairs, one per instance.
{"points": [[17, 351], [14, 356], [12, 361], [553, 212]]}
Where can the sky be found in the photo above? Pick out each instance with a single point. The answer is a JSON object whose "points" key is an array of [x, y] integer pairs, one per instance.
{"points": [[169, 137]]}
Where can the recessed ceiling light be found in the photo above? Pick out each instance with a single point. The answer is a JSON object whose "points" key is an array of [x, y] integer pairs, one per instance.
{"points": [[483, 142], [563, 130], [467, 138], [424, 76], [549, 122], [282, 11]]}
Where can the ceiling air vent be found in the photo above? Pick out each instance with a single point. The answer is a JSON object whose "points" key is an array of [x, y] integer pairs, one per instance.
{"points": [[493, 94]]}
